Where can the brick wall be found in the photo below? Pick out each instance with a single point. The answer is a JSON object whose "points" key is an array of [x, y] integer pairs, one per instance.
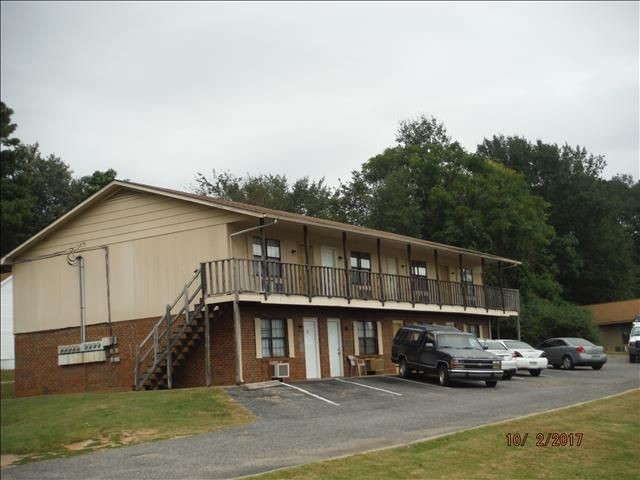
{"points": [[37, 370]]}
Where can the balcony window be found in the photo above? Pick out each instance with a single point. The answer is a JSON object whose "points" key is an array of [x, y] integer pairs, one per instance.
{"points": [[360, 268], [368, 338], [419, 281], [274, 269], [274, 338]]}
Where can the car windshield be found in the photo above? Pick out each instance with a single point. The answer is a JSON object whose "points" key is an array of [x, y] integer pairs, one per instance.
{"points": [[577, 342], [516, 344], [493, 345], [635, 331], [458, 340]]}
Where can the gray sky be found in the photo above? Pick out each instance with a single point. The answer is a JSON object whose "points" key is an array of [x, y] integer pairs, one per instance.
{"points": [[162, 91]]}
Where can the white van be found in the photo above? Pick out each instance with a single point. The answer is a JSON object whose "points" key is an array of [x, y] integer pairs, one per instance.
{"points": [[634, 340]]}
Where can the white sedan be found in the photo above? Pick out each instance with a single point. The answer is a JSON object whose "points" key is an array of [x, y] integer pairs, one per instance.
{"points": [[509, 363], [527, 357]]}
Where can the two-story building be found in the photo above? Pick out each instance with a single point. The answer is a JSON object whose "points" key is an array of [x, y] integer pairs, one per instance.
{"points": [[145, 287]]}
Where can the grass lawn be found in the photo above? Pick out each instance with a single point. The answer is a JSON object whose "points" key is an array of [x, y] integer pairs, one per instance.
{"points": [[48, 426], [609, 449]]}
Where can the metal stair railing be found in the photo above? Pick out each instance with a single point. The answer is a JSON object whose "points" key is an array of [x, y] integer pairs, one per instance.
{"points": [[157, 345]]}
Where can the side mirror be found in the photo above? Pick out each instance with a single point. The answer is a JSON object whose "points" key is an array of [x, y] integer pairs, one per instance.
{"points": [[485, 347], [428, 345]]}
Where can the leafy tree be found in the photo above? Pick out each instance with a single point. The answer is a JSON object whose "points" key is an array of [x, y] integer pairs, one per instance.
{"points": [[36, 189], [304, 196], [592, 217]]}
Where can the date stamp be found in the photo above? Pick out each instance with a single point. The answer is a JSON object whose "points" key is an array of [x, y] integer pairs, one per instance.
{"points": [[551, 439]]}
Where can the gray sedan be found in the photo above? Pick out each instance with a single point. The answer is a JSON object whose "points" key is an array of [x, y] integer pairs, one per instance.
{"points": [[567, 352]]}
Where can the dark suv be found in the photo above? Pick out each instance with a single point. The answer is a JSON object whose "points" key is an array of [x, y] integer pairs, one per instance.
{"points": [[445, 351]]}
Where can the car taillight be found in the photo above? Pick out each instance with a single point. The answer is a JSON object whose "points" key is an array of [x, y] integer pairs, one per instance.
{"points": [[517, 354], [580, 349]]}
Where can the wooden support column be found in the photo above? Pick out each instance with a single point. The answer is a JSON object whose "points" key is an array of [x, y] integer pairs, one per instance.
{"points": [[207, 344], [435, 260], [379, 248], [169, 365], [410, 272], [263, 243], [464, 293], [484, 285], [501, 286], [347, 264], [307, 260]]}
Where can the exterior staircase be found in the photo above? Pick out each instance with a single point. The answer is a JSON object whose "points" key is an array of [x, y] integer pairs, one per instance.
{"points": [[172, 338]]}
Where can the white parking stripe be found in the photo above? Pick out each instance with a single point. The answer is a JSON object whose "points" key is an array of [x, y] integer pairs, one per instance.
{"points": [[410, 381], [369, 386], [311, 394]]}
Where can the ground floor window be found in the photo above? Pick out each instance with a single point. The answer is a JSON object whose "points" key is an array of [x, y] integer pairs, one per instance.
{"points": [[475, 329], [274, 338], [368, 338]]}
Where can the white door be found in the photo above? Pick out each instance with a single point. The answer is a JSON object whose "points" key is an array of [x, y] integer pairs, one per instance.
{"points": [[311, 348], [335, 347], [329, 259], [391, 283]]}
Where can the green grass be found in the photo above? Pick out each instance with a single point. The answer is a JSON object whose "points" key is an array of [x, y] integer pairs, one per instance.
{"points": [[609, 450], [61, 425]]}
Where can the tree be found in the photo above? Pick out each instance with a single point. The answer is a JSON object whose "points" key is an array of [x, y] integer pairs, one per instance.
{"points": [[36, 189], [304, 196], [592, 217]]}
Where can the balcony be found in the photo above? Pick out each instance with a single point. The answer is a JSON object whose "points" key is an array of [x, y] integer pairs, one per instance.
{"points": [[289, 279]]}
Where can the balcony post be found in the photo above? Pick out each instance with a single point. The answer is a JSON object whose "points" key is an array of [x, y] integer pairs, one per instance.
{"points": [[435, 259], [484, 285], [464, 293], [305, 232], [410, 271], [263, 249], [378, 242], [501, 287], [346, 267]]}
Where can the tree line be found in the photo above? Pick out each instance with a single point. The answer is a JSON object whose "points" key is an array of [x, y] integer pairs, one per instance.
{"points": [[547, 205]]}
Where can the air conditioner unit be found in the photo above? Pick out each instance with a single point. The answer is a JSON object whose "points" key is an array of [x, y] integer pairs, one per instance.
{"points": [[280, 370]]}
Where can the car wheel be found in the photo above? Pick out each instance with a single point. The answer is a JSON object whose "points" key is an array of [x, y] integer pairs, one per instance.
{"points": [[443, 375], [567, 362], [596, 367], [507, 376], [535, 373], [491, 383], [632, 359], [404, 369]]}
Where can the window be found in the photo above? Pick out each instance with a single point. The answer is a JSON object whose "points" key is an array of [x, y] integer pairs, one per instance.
{"points": [[360, 268], [368, 338], [467, 285], [419, 281], [474, 329], [273, 256], [274, 338]]}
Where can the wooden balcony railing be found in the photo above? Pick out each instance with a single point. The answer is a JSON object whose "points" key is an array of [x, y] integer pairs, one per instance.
{"points": [[296, 279]]}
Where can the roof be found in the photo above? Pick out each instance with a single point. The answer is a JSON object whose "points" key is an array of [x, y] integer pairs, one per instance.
{"points": [[614, 312], [246, 209]]}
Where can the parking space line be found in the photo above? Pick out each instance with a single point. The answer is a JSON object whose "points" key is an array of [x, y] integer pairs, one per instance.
{"points": [[410, 381], [311, 394], [368, 386]]}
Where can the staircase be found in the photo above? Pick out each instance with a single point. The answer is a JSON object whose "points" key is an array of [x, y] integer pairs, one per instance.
{"points": [[167, 346]]}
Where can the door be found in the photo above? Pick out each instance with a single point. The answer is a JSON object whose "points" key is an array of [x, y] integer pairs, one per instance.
{"points": [[311, 348], [391, 281], [445, 286], [329, 262], [335, 347]]}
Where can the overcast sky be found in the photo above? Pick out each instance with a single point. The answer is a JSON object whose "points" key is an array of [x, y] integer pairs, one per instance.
{"points": [[160, 91]]}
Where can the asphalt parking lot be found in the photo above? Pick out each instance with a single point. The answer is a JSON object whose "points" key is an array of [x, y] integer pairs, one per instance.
{"points": [[313, 420]]}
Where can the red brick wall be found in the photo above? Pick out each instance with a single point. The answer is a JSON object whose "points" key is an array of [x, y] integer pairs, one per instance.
{"points": [[37, 370]]}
